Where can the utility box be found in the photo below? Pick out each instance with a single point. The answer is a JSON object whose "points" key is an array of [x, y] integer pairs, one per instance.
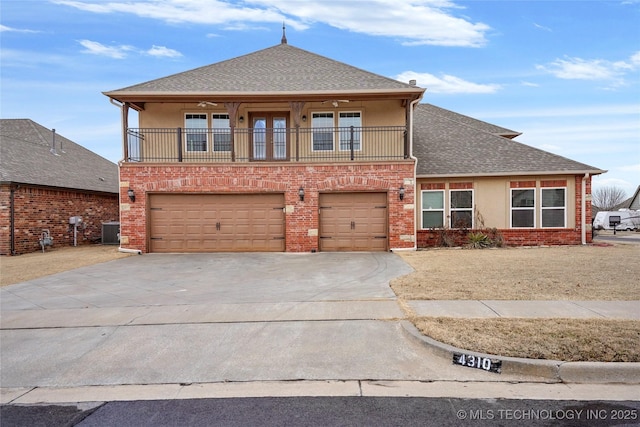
{"points": [[75, 220], [110, 233]]}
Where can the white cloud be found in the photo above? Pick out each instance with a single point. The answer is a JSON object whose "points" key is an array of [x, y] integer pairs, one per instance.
{"points": [[571, 68], [446, 83], [542, 27], [96, 48], [121, 51], [569, 111], [5, 29], [529, 84], [162, 51], [412, 22]]}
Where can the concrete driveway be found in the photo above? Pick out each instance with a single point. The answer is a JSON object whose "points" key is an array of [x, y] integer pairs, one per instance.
{"points": [[182, 319]]}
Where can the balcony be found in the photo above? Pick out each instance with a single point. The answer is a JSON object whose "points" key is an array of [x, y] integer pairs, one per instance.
{"points": [[345, 144]]}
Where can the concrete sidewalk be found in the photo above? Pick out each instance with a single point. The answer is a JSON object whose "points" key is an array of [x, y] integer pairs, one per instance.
{"points": [[629, 310]]}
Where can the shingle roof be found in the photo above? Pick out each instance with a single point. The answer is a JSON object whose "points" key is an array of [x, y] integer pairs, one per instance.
{"points": [[25, 158], [446, 145], [470, 121], [282, 68]]}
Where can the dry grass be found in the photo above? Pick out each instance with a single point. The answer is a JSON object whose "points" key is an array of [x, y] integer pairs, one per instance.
{"points": [[16, 269], [553, 273], [548, 273], [571, 340]]}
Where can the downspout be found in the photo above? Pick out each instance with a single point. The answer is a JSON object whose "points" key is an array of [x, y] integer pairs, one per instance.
{"points": [[12, 220], [583, 206], [415, 170]]}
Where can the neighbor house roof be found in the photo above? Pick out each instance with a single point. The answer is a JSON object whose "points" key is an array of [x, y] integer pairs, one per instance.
{"points": [[275, 71], [27, 158], [451, 144]]}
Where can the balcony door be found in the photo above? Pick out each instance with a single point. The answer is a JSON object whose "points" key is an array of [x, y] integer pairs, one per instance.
{"points": [[269, 137]]}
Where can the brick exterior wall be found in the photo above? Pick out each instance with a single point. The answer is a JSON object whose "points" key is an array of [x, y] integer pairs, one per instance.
{"points": [[301, 216], [528, 237], [40, 208]]}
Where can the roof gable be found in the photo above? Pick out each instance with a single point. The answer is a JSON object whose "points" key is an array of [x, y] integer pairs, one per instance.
{"points": [[25, 150], [281, 68], [446, 147]]}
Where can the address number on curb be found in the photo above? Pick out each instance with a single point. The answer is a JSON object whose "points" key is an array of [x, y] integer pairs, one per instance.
{"points": [[471, 361]]}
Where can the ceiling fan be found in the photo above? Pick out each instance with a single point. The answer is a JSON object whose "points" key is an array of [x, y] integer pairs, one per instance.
{"points": [[335, 102]]}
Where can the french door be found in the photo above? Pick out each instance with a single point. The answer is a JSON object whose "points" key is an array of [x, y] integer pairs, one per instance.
{"points": [[269, 137]]}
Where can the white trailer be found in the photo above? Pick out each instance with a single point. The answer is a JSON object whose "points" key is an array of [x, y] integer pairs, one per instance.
{"points": [[623, 219]]}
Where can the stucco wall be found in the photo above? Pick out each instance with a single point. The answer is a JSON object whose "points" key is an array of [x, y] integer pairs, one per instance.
{"points": [[301, 216], [492, 204], [40, 208]]}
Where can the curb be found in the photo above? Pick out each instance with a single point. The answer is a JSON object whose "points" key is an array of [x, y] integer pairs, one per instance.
{"points": [[549, 370]]}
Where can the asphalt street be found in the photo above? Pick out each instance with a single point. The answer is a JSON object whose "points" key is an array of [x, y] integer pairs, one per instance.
{"points": [[329, 411]]}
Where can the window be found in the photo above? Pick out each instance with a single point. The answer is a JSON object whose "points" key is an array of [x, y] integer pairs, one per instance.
{"points": [[553, 207], [322, 124], [345, 121], [221, 132], [461, 208], [432, 209], [196, 132], [523, 208]]}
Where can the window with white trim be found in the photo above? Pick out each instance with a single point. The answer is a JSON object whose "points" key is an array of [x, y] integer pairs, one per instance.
{"points": [[433, 209], [322, 127], [461, 208], [196, 132], [221, 132], [554, 207], [523, 207], [345, 121]]}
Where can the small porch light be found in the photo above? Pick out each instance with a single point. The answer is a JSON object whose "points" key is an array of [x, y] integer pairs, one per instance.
{"points": [[241, 119], [301, 194], [304, 118], [401, 193], [131, 194]]}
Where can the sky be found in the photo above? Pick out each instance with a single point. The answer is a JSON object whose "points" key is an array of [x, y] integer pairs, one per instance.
{"points": [[564, 73]]}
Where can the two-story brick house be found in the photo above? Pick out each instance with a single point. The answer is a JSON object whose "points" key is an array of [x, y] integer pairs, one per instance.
{"points": [[286, 150]]}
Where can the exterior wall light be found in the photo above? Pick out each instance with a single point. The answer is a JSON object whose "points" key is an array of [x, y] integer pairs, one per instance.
{"points": [[241, 119], [304, 118], [131, 194], [301, 194], [401, 193]]}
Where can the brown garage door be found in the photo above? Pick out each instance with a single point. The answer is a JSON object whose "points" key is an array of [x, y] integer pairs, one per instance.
{"points": [[216, 223], [353, 222]]}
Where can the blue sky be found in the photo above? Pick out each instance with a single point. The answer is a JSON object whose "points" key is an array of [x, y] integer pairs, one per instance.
{"points": [[564, 73]]}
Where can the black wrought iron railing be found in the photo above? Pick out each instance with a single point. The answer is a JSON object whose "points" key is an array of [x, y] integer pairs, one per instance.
{"points": [[170, 145]]}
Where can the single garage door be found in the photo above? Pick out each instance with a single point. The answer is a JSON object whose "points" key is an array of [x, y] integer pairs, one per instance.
{"points": [[353, 222], [216, 223]]}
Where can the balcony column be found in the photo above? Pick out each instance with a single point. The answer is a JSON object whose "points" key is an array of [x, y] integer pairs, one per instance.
{"points": [[296, 109], [125, 130], [232, 109]]}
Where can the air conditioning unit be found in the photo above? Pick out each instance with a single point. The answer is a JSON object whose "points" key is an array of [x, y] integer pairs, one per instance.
{"points": [[110, 233]]}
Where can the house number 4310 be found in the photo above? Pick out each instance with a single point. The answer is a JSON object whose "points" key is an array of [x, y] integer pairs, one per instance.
{"points": [[478, 362]]}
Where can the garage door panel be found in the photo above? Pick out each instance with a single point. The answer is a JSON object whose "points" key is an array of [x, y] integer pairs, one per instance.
{"points": [[215, 223], [353, 222]]}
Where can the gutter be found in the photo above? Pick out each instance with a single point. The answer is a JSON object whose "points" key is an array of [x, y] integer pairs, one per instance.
{"points": [[583, 206], [12, 220], [415, 171]]}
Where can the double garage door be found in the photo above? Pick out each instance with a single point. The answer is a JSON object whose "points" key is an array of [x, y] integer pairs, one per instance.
{"points": [[216, 223], [256, 222]]}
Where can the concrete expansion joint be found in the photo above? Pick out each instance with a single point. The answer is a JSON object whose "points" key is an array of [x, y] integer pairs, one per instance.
{"points": [[554, 371]]}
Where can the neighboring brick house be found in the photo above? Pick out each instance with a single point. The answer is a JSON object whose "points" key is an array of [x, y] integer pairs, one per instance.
{"points": [[286, 150], [45, 179]]}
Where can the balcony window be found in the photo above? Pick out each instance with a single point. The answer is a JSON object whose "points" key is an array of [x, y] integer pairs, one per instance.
{"points": [[221, 132], [322, 124], [196, 132], [345, 121]]}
